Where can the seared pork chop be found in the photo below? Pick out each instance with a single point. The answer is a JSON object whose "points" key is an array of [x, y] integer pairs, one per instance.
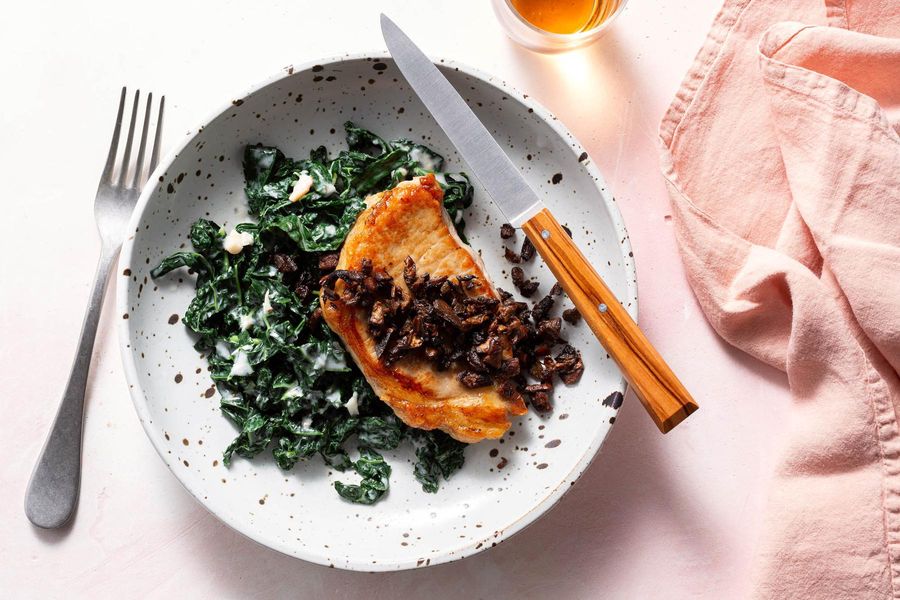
{"points": [[410, 221]]}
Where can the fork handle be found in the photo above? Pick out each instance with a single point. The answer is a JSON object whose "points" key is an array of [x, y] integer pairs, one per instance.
{"points": [[654, 383], [53, 488]]}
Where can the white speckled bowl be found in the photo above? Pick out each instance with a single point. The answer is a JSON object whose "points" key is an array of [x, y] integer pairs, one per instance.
{"points": [[298, 512]]}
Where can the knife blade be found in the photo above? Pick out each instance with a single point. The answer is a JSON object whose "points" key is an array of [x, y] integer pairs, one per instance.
{"points": [[490, 164], [656, 386]]}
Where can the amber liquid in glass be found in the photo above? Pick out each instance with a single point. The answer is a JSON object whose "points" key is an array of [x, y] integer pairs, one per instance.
{"points": [[565, 16]]}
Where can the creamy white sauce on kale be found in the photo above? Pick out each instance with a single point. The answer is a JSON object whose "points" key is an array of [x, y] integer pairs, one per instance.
{"points": [[288, 385]]}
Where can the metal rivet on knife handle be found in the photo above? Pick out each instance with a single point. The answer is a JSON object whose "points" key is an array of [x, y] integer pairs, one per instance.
{"points": [[654, 383], [650, 377]]}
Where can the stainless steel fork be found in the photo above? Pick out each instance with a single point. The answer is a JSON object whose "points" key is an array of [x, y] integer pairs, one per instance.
{"points": [[53, 489]]}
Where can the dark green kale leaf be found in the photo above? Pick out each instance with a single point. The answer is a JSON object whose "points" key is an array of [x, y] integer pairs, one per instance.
{"points": [[364, 141], [318, 231], [206, 237], [457, 198], [284, 378], [422, 159], [381, 433], [191, 260], [336, 434], [300, 445], [377, 174], [268, 175], [375, 473], [439, 455], [319, 155]]}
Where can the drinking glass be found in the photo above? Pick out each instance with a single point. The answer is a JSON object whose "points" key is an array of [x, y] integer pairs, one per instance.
{"points": [[556, 25]]}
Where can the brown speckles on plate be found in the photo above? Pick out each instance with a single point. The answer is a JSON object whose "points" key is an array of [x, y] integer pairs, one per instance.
{"points": [[542, 466], [536, 144], [173, 319], [178, 377], [614, 399]]}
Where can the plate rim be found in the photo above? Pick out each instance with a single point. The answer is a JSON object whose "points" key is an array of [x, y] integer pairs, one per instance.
{"points": [[138, 398]]}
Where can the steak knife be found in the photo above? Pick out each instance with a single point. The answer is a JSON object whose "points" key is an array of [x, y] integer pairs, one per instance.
{"points": [[653, 382]]}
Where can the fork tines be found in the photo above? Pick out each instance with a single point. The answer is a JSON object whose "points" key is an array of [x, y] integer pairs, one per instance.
{"points": [[137, 169]]}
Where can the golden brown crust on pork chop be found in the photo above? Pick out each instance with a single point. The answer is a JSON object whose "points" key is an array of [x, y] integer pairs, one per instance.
{"points": [[409, 220]]}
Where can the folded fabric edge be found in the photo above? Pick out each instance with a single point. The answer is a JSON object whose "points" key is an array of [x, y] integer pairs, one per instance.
{"points": [[710, 50], [837, 96], [813, 84], [730, 249]]}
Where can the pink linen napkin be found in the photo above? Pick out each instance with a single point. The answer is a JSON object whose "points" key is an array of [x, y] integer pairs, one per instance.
{"points": [[782, 158]]}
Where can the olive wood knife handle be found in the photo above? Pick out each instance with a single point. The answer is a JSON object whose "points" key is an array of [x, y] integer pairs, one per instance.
{"points": [[654, 383]]}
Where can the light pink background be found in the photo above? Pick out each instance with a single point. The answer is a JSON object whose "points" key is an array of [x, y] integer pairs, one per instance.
{"points": [[673, 516]]}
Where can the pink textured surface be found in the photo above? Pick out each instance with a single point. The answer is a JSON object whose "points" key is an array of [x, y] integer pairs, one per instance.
{"points": [[675, 515], [800, 271]]}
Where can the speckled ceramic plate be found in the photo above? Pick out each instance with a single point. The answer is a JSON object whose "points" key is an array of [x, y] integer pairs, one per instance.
{"points": [[506, 484]]}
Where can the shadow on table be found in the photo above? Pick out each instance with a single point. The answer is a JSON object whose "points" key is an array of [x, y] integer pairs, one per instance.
{"points": [[638, 489], [630, 486], [55, 536], [51, 537], [592, 86], [634, 487]]}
